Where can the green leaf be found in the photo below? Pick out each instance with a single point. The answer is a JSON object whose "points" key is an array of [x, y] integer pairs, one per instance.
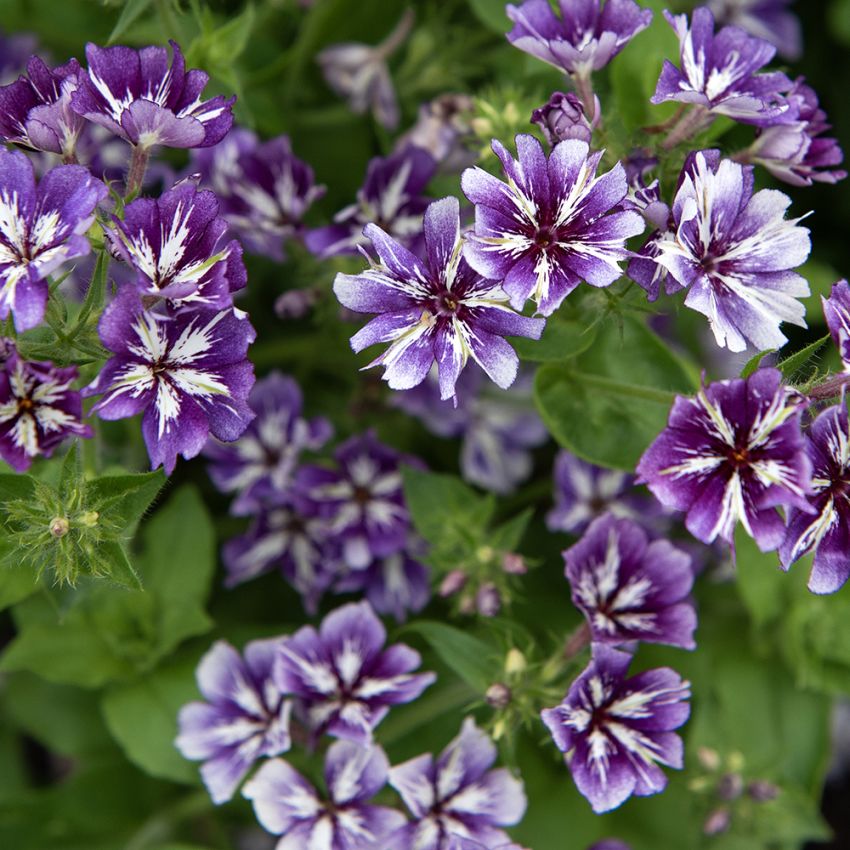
{"points": [[110, 559], [507, 536], [13, 486], [17, 581], [792, 365], [754, 363], [560, 340], [131, 11], [492, 14], [125, 498]]}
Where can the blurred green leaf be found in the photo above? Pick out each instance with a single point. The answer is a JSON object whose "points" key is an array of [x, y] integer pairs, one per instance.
{"points": [[492, 14], [561, 339]]}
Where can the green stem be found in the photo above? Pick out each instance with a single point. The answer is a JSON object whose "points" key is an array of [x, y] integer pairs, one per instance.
{"points": [[138, 167], [631, 390], [159, 828]]}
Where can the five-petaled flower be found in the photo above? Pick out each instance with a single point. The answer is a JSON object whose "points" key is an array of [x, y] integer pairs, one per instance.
{"points": [[457, 795], [188, 373], [615, 732], [767, 19], [733, 453], [438, 310], [244, 718], [343, 679], [551, 225]]}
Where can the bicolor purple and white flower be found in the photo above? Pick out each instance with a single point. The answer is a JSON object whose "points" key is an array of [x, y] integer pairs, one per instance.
{"points": [[826, 527], [391, 198], [719, 73], [563, 117], [630, 588], [189, 374], [768, 19], [733, 250], [244, 717], [552, 224], [260, 466], [38, 408], [148, 100], [342, 676], [35, 110], [176, 247], [836, 311], [436, 310], [286, 804], [457, 795], [733, 453], [584, 492], [617, 732], [41, 227]]}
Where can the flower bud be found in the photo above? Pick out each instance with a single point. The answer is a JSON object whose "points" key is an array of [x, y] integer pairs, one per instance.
{"points": [[59, 526], [452, 583], [762, 791], [563, 117], [730, 787], [467, 604], [488, 601], [498, 695], [295, 303], [88, 519], [708, 758], [718, 821], [515, 663], [514, 564]]}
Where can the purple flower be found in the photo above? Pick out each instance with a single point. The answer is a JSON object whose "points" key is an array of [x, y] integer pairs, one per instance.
{"points": [[584, 39], [285, 536], [629, 588], [188, 374], [261, 464], [244, 717], [827, 528], [264, 189], [584, 491], [734, 452], [733, 250], [563, 117], [391, 198], [441, 127], [35, 111], [144, 99], [836, 311], [767, 19], [342, 676], [457, 796], [437, 310], [799, 153], [41, 227], [286, 804], [38, 408], [362, 500], [615, 732], [719, 72], [551, 225], [15, 50], [175, 245]]}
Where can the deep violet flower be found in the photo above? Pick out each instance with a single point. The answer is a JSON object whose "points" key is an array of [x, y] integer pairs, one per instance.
{"points": [[437, 310], [457, 795], [260, 466], [733, 250], [188, 374], [552, 224], [35, 110], [767, 19], [827, 529], [41, 227], [176, 248], [145, 99], [244, 717], [719, 72], [615, 732], [629, 588], [15, 51], [563, 117], [286, 804], [38, 408], [836, 311], [732, 453], [343, 678]]}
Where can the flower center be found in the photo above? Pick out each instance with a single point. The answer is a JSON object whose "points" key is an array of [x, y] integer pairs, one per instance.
{"points": [[740, 457], [447, 303], [362, 495], [544, 239], [25, 405]]}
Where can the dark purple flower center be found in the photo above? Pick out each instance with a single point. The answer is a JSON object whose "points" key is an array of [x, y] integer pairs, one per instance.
{"points": [[361, 495], [544, 238], [25, 405], [446, 303]]}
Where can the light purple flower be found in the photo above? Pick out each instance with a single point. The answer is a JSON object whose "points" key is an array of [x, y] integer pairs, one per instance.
{"points": [[767, 19], [732, 453], [457, 795], [244, 718], [733, 250], [552, 224], [615, 732], [610, 844], [286, 804], [343, 677], [836, 311], [442, 125], [145, 99], [261, 464], [584, 491], [629, 588], [563, 117], [719, 72], [391, 198], [38, 408], [827, 530], [188, 374], [586, 37], [175, 245], [458, 842], [438, 310], [799, 153], [41, 228], [35, 110]]}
